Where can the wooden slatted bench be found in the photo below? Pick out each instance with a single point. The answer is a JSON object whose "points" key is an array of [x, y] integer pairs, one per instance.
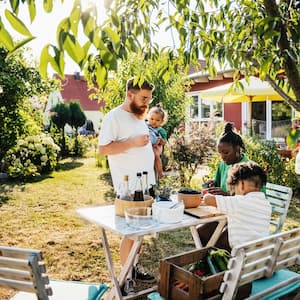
{"points": [[24, 270], [263, 262]]}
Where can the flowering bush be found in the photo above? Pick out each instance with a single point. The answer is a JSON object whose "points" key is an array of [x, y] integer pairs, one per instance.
{"points": [[188, 151], [33, 155]]}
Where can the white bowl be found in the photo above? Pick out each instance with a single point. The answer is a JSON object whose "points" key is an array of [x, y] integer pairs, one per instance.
{"points": [[166, 212]]}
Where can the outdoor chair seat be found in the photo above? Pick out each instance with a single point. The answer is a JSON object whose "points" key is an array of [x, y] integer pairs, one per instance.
{"points": [[279, 276], [24, 270]]}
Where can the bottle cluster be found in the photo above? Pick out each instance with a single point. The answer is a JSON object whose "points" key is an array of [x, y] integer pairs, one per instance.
{"points": [[142, 188]]}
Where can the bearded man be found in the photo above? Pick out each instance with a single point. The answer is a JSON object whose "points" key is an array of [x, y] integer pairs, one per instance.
{"points": [[124, 138]]}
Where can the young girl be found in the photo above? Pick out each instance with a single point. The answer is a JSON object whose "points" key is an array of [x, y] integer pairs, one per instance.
{"points": [[157, 117], [248, 212]]}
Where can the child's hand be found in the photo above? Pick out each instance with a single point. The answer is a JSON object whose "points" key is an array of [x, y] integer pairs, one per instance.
{"points": [[210, 200], [217, 191], [161, 141], [210, 183]]}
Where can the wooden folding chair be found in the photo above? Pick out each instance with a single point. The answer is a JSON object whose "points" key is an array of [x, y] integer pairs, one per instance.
{"points": [[24, 270], [279, 197], [263, 262]]}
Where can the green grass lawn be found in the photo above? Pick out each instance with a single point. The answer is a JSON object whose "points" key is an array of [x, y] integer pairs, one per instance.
{"points": [[42, 215]]}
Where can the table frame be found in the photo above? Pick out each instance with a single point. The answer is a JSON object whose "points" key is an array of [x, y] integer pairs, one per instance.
{"points": [[104, 217]]}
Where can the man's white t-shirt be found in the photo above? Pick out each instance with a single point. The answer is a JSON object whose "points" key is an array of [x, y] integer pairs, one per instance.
{"points": [[120, 125], [248, 216]]}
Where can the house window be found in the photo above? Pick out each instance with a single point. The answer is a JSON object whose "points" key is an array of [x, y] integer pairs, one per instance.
{"points": [[203, 110], [194, 108]]}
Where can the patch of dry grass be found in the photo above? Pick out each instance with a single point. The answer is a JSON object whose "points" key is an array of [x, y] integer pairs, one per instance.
{"points": [[42, 215]]}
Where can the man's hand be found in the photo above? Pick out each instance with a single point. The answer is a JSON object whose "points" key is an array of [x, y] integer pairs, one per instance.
{"points": [[117, 147], [140, 140]]}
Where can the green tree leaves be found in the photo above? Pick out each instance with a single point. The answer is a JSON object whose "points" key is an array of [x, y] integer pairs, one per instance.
{"points": [[253, 36]]}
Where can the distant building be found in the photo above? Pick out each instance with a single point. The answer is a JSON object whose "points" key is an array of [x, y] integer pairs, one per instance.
{"points": [[205, 111], [74, 87]]}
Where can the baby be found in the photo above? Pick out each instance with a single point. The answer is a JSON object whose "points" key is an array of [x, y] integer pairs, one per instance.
{"points": [[157, 117], [248, 212]]}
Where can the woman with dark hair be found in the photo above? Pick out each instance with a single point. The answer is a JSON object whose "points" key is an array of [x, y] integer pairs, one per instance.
{"points": [[232, 151]]}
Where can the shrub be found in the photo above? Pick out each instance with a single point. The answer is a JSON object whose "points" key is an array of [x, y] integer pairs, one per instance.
{"points": [[188, 151], [32, 156], [78, 146]]}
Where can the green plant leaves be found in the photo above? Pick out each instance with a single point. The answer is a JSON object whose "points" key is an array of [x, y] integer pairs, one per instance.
{"points": [[5, 38], [48, 5], [57, 62], [292, 138], [16, 23]]}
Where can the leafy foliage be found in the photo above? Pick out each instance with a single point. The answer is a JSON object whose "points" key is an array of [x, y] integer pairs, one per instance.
{"points": [[19, 83], [60, 116], [171, 94], [253, 36], [77, 119], [32, 156], [188, 152]]}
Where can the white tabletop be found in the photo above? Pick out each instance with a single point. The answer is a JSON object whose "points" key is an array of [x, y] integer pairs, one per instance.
{"points": [[105, 217]]}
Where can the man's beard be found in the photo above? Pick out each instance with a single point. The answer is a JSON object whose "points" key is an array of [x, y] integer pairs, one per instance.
{"points": [[138, 111]]}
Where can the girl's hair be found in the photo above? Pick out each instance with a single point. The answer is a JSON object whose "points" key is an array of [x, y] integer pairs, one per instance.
{"points": [[247, 171], [159, 110], [230, 137]]}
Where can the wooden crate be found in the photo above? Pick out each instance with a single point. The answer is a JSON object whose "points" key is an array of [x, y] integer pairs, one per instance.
{"points": [[172, 270]]}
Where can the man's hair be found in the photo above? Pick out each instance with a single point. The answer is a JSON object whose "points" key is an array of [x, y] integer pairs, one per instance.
{"points": [[250, 171], [146, 85]]}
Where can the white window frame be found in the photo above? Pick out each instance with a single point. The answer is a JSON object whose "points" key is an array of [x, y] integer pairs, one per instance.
{"points": [[199, 117]]}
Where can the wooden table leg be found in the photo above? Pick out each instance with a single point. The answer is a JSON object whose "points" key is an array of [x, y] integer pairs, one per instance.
{"points": [[196, 237], [118, 282], [130, 259], [217, 233], [213, 239], [115, 291]]}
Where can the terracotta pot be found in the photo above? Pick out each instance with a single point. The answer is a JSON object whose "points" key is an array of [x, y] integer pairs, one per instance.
{"points": [[190, 200]]}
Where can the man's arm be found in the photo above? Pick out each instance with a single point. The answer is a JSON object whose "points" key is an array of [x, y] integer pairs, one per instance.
{"points": [[117, 147]]}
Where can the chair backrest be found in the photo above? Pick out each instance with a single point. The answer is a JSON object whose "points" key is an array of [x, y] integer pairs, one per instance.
{"points": [[24, 270], [279, 197], [261, 258]]}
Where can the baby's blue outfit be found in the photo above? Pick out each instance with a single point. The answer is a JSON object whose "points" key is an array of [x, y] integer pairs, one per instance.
{"points": [[154, 134]]}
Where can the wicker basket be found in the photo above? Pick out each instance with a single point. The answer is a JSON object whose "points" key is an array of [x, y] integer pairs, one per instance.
{"points": [[121, 205]]}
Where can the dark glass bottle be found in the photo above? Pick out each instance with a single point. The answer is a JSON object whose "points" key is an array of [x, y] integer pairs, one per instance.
{"points": [[145, 183], [138, 192]]}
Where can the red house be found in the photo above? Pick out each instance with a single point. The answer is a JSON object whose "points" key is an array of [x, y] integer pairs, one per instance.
{"points": [[74, 87]]}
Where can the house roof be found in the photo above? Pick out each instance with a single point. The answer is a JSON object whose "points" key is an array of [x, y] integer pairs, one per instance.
{"points": [[75, 87]]}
